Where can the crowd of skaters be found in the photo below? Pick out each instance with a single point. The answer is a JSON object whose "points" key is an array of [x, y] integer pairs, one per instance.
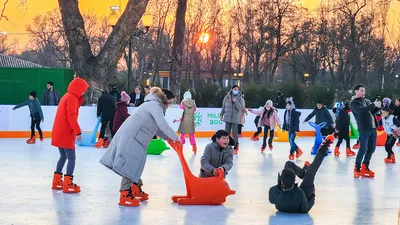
{"points": [[126, 155]]}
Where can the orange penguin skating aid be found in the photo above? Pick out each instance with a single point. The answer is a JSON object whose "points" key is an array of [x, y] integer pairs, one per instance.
{"points": [[201, 191]]}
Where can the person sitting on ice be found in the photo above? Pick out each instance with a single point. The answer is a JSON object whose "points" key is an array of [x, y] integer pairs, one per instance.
{"points": [[217, 154], [286, 195]]}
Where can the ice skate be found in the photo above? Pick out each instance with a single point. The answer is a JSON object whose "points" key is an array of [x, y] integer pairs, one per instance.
{"points": [[263, 147], [291, 156], [57, 181], [356, 172], [366, 172], [349, 152], [356, 146], [299, 152], [99, 143], [69, 186], [255, 138], [137, 192], [336, 151], [194, 149], [126, 199], [236, 149], [390, 159], [31, 140], [106, 143], [270, 147], [41, 139]]}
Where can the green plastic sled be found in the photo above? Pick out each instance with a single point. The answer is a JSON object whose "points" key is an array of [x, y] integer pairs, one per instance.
{"points": [[156, 147], [353, 132]]}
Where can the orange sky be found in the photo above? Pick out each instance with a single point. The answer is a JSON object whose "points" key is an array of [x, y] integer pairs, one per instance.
{"points": [[21, 15]]}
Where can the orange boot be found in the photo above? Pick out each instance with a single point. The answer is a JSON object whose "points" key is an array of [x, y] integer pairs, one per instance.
{"points": [[255, 138], [299, 153], [126, 199], [357, 172], [366, 172], [99, 143], [194, 149], [236, 149], [270, 147], [106, 143], [68, 186], [393, 158], [291, 157], [31, 140], [57, 181], [390, 159], [263, 147], [356, 146], [138, 193], [349, 152], [336, 152], [41, 139]]}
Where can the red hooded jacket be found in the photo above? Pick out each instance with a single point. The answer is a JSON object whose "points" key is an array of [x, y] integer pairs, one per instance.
{"points": [[120, 115], [66, 127]]}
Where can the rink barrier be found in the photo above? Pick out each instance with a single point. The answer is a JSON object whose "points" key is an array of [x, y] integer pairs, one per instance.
{"points": [[16, 124]]}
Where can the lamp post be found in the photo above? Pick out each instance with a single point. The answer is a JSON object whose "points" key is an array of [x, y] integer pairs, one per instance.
{"points": [[147, 20]]}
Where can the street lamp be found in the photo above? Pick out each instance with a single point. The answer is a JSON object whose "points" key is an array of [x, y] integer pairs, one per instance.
{"points": [[147, 20]]}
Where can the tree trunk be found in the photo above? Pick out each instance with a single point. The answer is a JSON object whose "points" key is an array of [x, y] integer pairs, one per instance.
{"points": [[84, 62], [177, 49]]}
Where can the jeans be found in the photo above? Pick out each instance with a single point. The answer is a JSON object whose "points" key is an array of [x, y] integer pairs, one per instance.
{"points": [[234, 128], [103, 127], [367, 140], [35, 122], [271, 135], [390, 141], [64, 155], [293, 146]]}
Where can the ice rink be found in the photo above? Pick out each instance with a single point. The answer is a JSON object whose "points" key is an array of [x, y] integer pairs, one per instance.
{"points": [[26, 196]]}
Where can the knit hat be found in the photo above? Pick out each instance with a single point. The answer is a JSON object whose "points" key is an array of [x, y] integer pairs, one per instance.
{"points": [[33, 94], [187, 95], [269, 103], [288, 177], [125, 97], [338, 106], [386, 101]]}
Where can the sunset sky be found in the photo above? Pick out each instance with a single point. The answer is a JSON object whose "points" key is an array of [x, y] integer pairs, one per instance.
{"points": [[22, 15]]}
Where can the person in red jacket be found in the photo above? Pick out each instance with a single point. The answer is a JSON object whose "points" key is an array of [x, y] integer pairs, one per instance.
{"points": [[122, 111], [65, 131]]}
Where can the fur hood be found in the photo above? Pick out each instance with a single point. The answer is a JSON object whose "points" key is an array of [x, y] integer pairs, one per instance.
{"points": [[156, 94]]}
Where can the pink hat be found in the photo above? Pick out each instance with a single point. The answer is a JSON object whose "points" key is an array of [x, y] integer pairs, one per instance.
{"points": [[125, 97]]}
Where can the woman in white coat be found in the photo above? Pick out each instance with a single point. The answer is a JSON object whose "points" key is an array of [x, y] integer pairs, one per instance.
{"points": [[126, 154]]}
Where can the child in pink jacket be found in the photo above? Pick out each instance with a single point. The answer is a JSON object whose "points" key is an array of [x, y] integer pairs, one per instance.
{"points": [[268, 118]]}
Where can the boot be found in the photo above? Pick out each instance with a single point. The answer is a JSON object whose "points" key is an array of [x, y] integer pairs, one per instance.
{"points": [[240, 135], [126, 199], [366, 172], [291, 156], [41, 138], [357, 172], [263, 147], [270, 146], [31, 140], [69, 186], [356, 146], [99, 143], [299, 153], [106, 143], [336, 152], [390, 159], [57, 181], [138, 193], [255, 138], [349, 152], [194, 148], [236, 149]]}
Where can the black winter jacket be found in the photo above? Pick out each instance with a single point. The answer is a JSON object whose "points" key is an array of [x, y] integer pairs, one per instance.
{"points": [[343, 122], [364, 113], [294, 125], [290, 201], [106, 107], [321, 115], [396, 112]]}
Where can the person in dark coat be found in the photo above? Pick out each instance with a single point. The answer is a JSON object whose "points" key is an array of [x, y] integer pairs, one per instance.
{"points": [[106, 110], [50, 96], [322, 114], [291, 124], [286, 195], [115, 93], [137, 98], [279, 100], [396, 113], [122, 111], [342, 130]]}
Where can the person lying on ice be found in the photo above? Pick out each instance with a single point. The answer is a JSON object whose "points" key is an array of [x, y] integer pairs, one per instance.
{"points": [[290, 198], [217, 154], [127, 155]]}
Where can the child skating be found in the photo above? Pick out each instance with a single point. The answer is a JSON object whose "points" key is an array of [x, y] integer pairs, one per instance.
{"points": [[65, 131], [390, 124], [186, 125], [286, 195], [292, 125], [122, 111], [217, 154], [342, 130], [127, 155], [259, 129], [268, 118], [36, 115]]}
